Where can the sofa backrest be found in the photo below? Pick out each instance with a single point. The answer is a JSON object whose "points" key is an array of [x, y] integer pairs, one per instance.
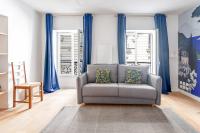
{"points": [[91, 71], [122, 72]]}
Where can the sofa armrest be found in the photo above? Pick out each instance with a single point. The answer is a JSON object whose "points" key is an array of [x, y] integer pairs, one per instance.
{"points": [[156, 82], [81, 81]]}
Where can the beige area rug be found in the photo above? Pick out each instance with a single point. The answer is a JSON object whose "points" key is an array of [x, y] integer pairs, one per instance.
{"points": [[117, 119]]}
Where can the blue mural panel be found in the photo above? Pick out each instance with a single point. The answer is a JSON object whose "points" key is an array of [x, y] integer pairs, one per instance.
{"points": [[189, 51], [196, 44]]}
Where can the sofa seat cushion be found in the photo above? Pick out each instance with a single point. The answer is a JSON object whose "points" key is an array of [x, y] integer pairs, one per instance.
{"points": [[137, 91], [95, 89]]}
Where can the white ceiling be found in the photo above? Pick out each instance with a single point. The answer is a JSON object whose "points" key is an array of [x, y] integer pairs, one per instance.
{"points": [[112, 6]]}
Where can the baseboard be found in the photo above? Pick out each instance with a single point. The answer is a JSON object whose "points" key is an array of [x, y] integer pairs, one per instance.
{"points": [[68, 87], [175, 90], [189, 95]]}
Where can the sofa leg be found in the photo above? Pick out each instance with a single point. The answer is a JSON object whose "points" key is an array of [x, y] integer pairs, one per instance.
{"points": [[153, 105]]}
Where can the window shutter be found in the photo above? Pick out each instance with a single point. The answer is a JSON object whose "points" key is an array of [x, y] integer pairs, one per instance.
{"points": [[68, 57], [143, 48], [65, 53]]}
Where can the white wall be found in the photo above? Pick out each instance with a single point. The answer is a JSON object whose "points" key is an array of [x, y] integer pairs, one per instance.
{"points": [[140, 23], [68, 22], [104, 38], [24, 37], [172, 24]]}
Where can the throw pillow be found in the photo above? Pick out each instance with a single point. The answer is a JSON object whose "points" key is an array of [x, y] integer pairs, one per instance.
{"points": [[103, 76], [133, 77]]}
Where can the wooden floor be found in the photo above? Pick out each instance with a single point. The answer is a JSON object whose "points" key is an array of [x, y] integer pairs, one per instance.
{"points": [[22, 120]]}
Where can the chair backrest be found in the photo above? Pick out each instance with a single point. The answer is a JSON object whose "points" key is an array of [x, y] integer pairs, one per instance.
{"points": [[18, 71]]}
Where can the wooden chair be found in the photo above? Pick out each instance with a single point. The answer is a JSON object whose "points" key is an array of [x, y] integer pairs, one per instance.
{"points": [[27, 87]]}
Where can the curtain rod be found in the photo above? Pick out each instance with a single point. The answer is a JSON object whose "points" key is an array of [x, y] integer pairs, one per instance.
{"points": [[136, 15], [140, 15], [128, 15], [62, 14]]}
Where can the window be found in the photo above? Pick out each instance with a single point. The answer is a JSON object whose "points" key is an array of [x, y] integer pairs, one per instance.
{"points": [[141, 48], [69, 52]]}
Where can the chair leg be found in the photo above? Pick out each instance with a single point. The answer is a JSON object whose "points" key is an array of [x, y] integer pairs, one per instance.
{"points": [[14, 97], [41, 91], [25, 94], [30, 97]]}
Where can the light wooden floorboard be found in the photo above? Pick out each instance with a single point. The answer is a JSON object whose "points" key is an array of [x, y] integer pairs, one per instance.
{"points": [[22, 120]]}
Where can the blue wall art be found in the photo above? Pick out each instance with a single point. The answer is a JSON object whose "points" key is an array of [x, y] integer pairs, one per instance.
{"points": [[189, 51]]}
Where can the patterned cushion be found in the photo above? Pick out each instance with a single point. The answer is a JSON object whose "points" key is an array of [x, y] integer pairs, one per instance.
{"points": [[91, 72], [103, 76], [122, 72], [133, 77]]}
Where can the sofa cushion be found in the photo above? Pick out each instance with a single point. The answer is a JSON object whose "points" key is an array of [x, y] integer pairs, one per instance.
{"points": [[103, 76], [91, 72], [133, 77], [137, 91], [122, 72], [94, 89]]}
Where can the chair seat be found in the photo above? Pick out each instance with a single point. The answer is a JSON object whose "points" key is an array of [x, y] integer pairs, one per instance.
{"points": [[35, 83], [27, 85]]}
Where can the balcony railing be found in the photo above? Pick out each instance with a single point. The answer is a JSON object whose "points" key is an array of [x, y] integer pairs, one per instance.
{"points": [[66, 68]]}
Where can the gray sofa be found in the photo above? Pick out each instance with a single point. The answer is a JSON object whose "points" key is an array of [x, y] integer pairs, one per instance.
{"points": [[118, 92]]}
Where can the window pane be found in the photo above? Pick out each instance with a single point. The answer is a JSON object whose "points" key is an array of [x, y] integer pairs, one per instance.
{"points": [[143, 48], [130, 55], [138, 48], [131, 40]]}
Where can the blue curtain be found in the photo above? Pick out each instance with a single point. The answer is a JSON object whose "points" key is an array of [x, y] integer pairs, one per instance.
{"points": [[87, 32], [121, 36], [160, 24], [50, 75]]}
